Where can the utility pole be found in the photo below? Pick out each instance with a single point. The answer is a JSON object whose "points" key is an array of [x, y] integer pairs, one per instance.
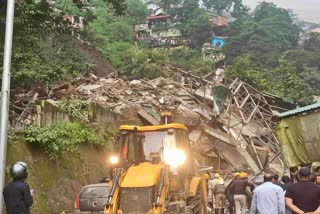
{"points": [[5, 94]]}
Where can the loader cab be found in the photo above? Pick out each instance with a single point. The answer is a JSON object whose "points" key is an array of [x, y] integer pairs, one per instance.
{"points": [[168, 144], [154, 172]]}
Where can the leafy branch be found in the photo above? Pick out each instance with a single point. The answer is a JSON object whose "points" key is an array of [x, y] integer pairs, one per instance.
{"points": [[62, 137]]}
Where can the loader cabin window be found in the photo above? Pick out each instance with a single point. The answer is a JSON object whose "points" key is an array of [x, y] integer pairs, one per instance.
{"points": [[137, 148]]}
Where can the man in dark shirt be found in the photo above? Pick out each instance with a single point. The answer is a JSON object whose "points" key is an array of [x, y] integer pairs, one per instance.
{"points": [[304, 196], [238, 188], [286, 182], [229, 194], [17, 195]]}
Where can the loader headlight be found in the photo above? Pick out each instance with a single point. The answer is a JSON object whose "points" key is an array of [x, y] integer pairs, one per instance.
{"points": [[114, 159], [174, 158]]}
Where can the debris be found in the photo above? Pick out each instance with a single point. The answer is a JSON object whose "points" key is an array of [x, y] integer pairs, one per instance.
{"points": [[159, 82], [195, 135], [102, 99], [232, 121], [135, 83], [148, 117], [107, 81], [87, 89]]}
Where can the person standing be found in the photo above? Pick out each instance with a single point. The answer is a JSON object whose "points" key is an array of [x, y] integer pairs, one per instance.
{"points": [[229, 194], [238, 187], [220, 197], [268, 198], [17, 194], [286, 182], [216, 180], [303, 196], [276, 181]]}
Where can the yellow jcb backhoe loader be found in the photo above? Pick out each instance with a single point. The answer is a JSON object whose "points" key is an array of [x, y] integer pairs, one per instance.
{"points": [[154, 172]]}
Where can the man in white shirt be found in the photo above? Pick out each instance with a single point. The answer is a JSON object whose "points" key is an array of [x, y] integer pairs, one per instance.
{"points": [[268, 198]]}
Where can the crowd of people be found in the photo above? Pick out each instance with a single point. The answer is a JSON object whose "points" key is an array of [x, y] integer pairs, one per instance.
{"points": [[240, 196], [270, 197]]}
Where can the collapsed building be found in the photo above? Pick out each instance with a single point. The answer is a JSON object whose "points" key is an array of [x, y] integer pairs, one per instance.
{"points": [[230, 122]]}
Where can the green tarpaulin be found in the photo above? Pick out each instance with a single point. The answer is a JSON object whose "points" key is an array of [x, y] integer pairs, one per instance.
{"points": [[299, 138]]}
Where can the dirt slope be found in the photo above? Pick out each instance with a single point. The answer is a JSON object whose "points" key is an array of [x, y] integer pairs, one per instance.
{"points": [[102, 67]]}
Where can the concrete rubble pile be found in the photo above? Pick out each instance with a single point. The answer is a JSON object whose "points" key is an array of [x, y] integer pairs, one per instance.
{"points": [[216, 130], [221, 131]]}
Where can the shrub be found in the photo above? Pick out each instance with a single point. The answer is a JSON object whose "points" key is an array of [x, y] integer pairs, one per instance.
{"points": [[62, 137]]}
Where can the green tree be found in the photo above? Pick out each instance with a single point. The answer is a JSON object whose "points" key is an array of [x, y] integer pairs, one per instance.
{"points": [[166, 4], [41, 54], [219, 5], [193, 21], [312, 43], [120, 31], [240, 11], [267, 10], [198, 28], [136, 9], [184, 10], [283, 80], [264, 37], [117, 53]]}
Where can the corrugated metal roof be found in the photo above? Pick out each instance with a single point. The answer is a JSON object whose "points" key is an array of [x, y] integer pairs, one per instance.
{"points": [[299, 110]]}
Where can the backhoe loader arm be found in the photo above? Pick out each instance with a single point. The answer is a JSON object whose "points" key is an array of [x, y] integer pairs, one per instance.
{"points": [[111, 206], [162, 191]]}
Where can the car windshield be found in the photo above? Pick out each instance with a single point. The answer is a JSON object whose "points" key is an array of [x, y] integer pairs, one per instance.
{"points": [[94, 192]]}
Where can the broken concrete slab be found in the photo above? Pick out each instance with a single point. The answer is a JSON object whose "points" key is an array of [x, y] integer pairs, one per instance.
{"points": [[87, 89], [195, 135], [204, 94], [120, 109], [186, 120], [102, 99], [159, 82], [134, 83], [203, 113], [108, 81], [148, 117], [219, 75], [230, 139], [217, 134], [241, 147]]}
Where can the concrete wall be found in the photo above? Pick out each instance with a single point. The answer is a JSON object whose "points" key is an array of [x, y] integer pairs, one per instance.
{"points": [[102, 116], [48, 113]]}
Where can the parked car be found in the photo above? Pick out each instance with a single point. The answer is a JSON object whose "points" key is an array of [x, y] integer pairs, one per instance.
{"points": [[91, 199]]}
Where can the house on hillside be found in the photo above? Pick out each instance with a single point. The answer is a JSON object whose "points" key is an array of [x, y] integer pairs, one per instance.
{"points": [[157, 31], [76, 24], [212, 50], [219, 21], [152, 5]]}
